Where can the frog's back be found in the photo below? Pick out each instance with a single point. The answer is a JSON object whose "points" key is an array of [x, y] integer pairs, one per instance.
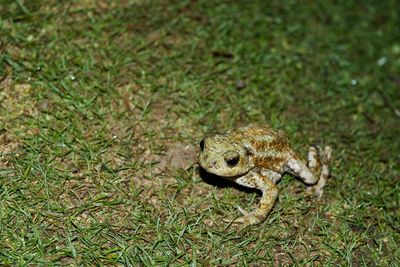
{"points": [[269, 146], [262, 136]]}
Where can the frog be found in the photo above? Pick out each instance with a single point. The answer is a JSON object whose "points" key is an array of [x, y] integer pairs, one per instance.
{"points": [[257, 156]]}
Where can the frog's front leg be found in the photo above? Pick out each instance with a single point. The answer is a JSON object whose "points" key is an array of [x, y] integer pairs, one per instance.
{"points": [[269, 195]]}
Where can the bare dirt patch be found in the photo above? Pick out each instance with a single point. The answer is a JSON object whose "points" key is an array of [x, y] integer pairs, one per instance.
{"points": [[178, 155], [16, 105]]}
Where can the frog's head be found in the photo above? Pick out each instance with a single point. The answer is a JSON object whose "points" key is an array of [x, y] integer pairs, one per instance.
{"points": [[222, 156]]}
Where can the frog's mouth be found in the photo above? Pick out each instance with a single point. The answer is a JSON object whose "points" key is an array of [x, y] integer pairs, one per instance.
{"points": [[205, 171], [226, 175]]}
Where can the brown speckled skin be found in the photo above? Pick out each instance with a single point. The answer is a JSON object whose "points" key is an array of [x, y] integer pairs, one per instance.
{"points": [[256, 156]]}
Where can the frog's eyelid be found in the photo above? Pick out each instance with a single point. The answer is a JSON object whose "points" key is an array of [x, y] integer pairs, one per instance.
{"points": [[212, 134], [249, 150]]}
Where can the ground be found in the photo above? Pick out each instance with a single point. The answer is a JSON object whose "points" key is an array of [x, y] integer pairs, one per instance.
{"points": [[103, 103]]}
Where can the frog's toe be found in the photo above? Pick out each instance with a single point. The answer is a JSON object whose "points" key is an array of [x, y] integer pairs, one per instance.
{"points": [[316, 191], [247, 220], [242, 211], [327, 154]]}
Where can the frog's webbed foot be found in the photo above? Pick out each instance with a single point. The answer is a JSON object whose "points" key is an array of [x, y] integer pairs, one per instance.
{"points": [[318, 162], [248, 218], [269, 195]]}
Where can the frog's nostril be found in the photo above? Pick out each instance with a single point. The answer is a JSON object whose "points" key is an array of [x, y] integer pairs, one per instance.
{"points": [[202, 145]]}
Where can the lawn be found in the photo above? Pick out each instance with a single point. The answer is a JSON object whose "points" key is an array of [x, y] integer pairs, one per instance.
{"points": [[103, 104]]}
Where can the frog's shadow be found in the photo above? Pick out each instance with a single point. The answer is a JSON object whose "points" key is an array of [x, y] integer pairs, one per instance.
{"points": [[221, 182]]}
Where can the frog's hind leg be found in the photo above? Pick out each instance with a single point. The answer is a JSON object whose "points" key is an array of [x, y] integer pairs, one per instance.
{"points": [[313, 159], [298, 168], [318, 161]]}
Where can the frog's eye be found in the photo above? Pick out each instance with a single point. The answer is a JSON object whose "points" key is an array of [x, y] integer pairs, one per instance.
{"points": [[232, 162], [202, 145]]}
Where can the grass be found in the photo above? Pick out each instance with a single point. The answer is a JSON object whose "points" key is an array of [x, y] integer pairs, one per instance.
{"points": [[102, 104]]}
